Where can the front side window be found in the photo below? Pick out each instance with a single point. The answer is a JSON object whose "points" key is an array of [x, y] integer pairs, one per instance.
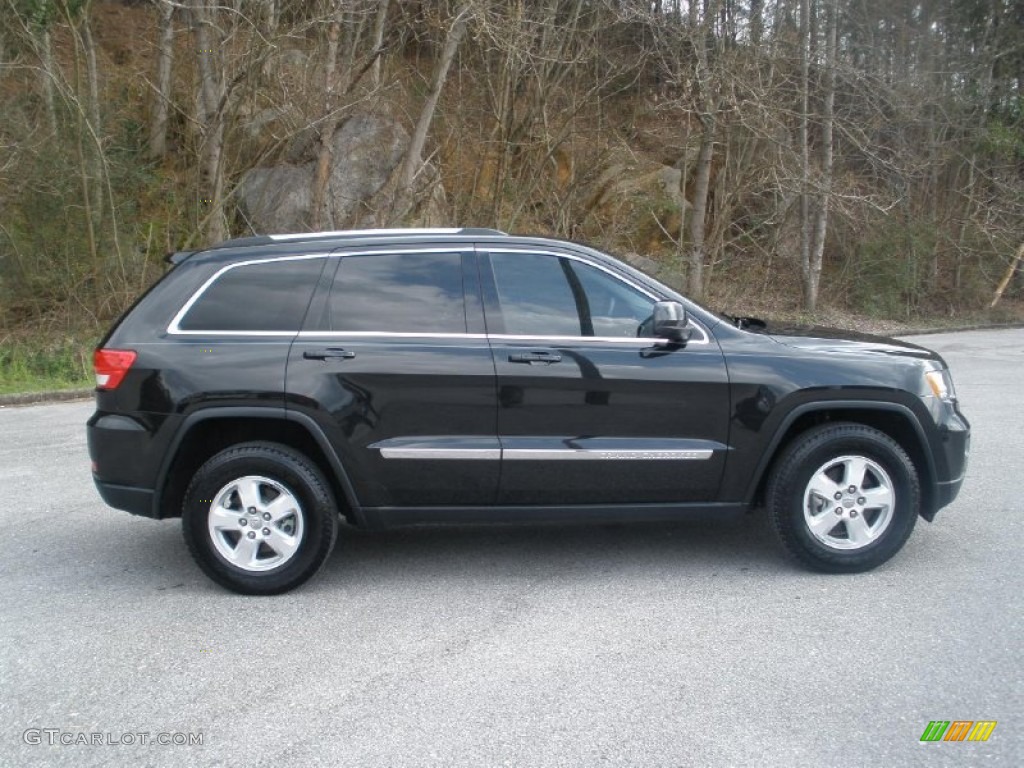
{"points": [[615, 308], [544, 295], [266, 296], [535, 296], [398, 293]]}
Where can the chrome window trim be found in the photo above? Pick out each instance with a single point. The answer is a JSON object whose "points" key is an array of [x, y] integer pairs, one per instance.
{"points": [[279, 334], [387, 335], [642, 341], [174, 328], [705, 338]]}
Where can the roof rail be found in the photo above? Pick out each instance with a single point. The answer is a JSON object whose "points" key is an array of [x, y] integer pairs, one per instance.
{"points": [[481, 231], [179, 256]]}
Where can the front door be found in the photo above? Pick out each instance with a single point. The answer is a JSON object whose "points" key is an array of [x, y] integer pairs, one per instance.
{"points": [[393, 350], [590, 412]]}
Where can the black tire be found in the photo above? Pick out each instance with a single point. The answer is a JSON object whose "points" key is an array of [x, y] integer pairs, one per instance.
{"points": [[795, 479], [272, 472]]}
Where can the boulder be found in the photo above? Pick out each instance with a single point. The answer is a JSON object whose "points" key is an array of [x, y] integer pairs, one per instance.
{"points": [[366, 149]]}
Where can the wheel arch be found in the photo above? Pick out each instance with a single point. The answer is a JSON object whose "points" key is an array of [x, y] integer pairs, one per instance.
{"points": [[893, 419], [211, 430]]}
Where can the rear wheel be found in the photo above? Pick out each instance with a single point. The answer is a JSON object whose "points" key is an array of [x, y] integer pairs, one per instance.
{"points": [[844, 498], [258, 518]]}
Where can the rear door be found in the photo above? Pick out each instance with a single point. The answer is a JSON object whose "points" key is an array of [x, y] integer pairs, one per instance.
{"points": [[591, 410], [394, 363]]}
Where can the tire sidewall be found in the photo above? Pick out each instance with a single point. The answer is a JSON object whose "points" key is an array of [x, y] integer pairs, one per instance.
{"points": [[290, 471], [809, 456]]}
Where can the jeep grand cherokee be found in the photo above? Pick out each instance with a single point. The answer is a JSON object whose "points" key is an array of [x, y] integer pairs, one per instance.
{"points": [[269, 386]]}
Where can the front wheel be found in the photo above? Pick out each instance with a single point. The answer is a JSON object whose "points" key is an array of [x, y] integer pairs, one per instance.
{"points": [[843, 498], [259, 519]]}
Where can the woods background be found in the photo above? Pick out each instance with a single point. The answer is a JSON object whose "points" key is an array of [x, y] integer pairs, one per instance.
{"points": [[801, 157]]}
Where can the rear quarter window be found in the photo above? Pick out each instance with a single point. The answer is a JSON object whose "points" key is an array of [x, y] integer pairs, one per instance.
{"points": [[265, 296]]}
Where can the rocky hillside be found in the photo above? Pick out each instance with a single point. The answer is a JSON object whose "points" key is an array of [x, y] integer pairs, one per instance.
{"points": [[838, 159]]}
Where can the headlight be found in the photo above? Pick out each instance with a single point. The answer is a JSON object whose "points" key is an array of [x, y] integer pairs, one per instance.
{"points": [[941, 384]]}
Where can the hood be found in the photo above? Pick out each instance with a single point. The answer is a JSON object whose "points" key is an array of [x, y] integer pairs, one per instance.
{"points": [[822, 339], [835, 340]]}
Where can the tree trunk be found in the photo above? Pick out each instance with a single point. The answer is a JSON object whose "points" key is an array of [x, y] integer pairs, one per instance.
{"points": [[805, 158], [825, 193], [413, 162], [968, 214], [320, 212], [47, 75], [269, 17], [84, 158], [709, 100], [698, 212], [165, 58], [95, 127], [1008, 276], [378, 40], [211, 119], [756, 21]]}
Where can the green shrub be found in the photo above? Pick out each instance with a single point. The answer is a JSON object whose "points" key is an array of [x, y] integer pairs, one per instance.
{"points": [[40, 362]]}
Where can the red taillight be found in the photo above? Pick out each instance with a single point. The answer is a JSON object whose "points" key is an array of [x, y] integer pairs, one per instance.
{"points": [[111, 365]]}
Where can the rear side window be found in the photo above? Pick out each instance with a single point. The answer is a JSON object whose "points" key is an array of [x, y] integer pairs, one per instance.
{"points": [[398, 293], [268, 296]]}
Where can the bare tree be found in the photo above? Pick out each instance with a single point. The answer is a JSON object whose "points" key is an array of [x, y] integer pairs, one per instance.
{"points": [[47, 70], [94, 127], [805, 147], [378, 39], [162, 97], [211, 102], [812, 272], [320, 209], [402, 187], [708, 88]]}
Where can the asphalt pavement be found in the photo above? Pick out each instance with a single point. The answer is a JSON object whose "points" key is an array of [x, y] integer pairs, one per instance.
{"points": [[684, 644]]}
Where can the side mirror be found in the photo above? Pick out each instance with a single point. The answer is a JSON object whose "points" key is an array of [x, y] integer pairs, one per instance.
{"points": [[670, 322]]}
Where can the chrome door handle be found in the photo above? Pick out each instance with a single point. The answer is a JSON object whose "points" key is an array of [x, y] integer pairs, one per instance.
{"points": [[330, 353], [535, 357]]}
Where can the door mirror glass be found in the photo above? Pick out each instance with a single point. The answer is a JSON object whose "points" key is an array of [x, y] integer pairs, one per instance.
{"points": [[670, 322]]}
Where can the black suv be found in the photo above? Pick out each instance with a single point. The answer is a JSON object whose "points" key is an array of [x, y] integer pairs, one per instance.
{"points": [[267, 384]]}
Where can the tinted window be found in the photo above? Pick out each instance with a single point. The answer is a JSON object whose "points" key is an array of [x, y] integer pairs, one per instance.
{"points": [[616, 309], [399, 293], [535, 295], [270, 296], [550, 296]]}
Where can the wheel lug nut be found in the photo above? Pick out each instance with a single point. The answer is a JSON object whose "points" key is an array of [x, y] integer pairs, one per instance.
{"points": [[266, 516], [251, 534], [852, 489], [839, 510], [862, 501], [839, 495], [853, 513], [266, 531], [241, 521]]}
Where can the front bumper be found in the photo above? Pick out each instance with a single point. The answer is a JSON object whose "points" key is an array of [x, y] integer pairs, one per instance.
{"points": [[955, 444]]}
